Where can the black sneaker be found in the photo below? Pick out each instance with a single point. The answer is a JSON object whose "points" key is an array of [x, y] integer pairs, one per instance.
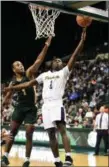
{"points": [[26, 164], [58, 164], [68, 161], [4, 161]]}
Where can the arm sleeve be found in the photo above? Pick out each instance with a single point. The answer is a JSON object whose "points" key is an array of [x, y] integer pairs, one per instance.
{"points": [[39, 79]]}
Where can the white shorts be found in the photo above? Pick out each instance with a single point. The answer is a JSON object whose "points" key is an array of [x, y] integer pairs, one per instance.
{"points": [[52, 113]]}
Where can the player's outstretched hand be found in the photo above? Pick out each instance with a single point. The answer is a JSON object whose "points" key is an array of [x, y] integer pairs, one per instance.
{"points": [[83, 36], [48, 41]]}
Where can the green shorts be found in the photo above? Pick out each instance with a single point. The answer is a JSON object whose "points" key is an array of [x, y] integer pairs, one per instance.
{"points": [[28, 115]]}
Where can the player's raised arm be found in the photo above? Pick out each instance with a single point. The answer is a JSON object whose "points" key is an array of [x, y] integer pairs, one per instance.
{"points": [[32, 69], [77, 50]]}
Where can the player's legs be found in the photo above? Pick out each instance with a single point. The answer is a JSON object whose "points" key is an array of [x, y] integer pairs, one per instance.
{"points": [[62, 129], [13, 130], [53, 141], [49, 126], [54, 146], [17, 119], [59, 117], [29, 143], [60, 122], [29, 135], [30, 120]]}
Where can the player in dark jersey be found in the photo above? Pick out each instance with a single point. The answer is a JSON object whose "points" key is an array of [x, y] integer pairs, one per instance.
{"points": [[25, 110]]}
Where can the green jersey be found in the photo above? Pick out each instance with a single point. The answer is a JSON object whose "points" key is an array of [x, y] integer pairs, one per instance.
{"points": [[25, 97]]}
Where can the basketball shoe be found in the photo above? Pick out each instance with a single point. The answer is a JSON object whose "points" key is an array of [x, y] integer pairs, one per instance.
{"points": [[58, 164], [4, 161], [68, 162], [26, 164]]}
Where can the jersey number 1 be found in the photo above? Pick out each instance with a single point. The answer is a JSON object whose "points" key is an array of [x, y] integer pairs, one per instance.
{"points": [[51, 85]]}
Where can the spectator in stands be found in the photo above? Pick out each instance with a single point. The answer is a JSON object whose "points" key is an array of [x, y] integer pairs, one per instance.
{"points": [[86, 124], [89, 113], [77, 124], [92, 102], [78, 117], [81, 112], [68, 121]]}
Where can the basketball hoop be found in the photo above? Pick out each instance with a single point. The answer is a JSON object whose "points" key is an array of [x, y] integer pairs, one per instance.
{"points": [[44, 19]]}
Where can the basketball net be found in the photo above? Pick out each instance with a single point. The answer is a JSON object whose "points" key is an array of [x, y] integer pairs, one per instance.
{"points": [[44, 19]]}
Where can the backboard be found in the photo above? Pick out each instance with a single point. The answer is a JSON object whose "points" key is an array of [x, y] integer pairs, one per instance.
{"points": [[75, 8]]}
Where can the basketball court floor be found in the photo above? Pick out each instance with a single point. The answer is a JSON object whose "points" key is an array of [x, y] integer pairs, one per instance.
{"points": [[43, 157]]}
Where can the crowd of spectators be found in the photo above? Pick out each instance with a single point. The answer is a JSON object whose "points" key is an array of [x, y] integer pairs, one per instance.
{"points": [[86, 89]]}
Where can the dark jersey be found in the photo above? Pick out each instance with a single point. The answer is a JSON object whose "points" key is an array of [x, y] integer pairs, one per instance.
{"points": [[24, 97]]}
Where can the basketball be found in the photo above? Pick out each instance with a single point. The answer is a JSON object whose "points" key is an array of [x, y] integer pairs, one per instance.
{"points": [[83, 21]]}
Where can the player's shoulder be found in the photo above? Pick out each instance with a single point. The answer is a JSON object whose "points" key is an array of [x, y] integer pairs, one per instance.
{"points": [[45, 74], [65, 68]]}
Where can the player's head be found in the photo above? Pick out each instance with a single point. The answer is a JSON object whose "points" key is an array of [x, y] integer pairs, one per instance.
{"points": [[18, 67], [57, 64]]}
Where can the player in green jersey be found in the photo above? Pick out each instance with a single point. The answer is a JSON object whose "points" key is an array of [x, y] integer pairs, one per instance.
{"points": [[25, 110]]}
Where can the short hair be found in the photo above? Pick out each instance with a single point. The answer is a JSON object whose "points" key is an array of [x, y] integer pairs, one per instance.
{"points": [[106, 106], [12, 66]]}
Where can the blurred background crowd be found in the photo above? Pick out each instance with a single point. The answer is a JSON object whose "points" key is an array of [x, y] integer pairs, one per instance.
{"points": [[86, 90]]}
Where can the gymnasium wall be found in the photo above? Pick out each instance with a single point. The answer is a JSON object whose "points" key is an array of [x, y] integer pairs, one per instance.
{"points": [[78, 137]]}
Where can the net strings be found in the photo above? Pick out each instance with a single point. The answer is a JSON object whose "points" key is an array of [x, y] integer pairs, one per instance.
{"points": [[44, 21]]}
